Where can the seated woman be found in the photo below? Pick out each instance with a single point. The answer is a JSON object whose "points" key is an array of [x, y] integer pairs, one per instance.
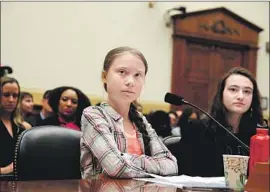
{"points": [[236, 105], [117, 140], [26, 106], [67, 104], [11, 124]]}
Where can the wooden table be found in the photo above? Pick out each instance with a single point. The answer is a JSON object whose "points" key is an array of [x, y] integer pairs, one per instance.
{"points": [[96, 185]]}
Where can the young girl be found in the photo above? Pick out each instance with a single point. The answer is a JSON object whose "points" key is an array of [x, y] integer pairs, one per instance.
{"points": [[237, 106], [117, 140], [11, 123]]}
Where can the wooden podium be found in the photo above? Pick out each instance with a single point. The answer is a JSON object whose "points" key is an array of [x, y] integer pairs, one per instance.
{"points": [[258, 180]]}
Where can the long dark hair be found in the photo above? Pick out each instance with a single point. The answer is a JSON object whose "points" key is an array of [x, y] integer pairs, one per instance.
{"points": [[134, 116], [252, 117], [83, 101]]}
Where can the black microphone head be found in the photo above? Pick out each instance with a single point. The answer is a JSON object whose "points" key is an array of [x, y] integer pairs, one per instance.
{"points": [[174, 99]]}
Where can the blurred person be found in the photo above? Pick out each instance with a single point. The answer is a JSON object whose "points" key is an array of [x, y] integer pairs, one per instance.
{"points": [[160, 122], [188, 114], [26, 106], [46, 110], [179, 113], [67, 104], [175, 129]]}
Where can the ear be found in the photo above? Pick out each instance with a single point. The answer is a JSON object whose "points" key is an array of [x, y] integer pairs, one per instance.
{"points": [[104, 77]]}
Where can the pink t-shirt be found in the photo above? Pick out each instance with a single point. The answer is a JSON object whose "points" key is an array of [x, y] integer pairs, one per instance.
{"points": [[134, 146]]}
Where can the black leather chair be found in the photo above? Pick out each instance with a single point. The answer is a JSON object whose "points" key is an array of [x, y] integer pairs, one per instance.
{"points": [[8, 177], [48, 153]]}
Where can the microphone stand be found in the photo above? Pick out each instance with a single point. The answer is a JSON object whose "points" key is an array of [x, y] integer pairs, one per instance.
{"points": [[243, 144]]}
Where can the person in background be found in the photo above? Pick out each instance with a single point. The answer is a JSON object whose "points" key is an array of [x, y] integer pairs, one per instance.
{"points": [[11, 124], [160, 122], [190, 114], [26, 104], [67, 104], [236, 105], [175, 129], [179, 113], [117, 140], [46, 110]]}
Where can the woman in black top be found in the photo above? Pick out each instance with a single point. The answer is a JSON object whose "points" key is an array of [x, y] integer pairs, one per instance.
{"points": [[11, 124], [236, 105]]}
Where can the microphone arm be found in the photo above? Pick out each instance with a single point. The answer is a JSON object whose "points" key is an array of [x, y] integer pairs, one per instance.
{"points": [[243, 144]]}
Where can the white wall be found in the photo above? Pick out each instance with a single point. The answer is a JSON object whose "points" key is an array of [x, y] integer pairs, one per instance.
{"points": [[40, 40]]}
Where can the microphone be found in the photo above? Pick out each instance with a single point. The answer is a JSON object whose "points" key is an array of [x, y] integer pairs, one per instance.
{"points": [[174, 99], [178, 100], [5, 70]]}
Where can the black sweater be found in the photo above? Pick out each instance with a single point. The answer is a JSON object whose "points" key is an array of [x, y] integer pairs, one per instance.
{"points": [[7, 143]]}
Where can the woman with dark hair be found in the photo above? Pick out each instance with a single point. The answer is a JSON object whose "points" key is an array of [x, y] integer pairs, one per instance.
{"points": [[11, 122], [67, 104], [117, 140], [236, 105]]}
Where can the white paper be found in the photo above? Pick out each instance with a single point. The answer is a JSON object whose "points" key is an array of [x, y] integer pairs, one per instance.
{"points": [[184, 180]]}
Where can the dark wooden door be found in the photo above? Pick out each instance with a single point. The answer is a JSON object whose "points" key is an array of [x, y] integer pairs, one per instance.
{"points": [[224, 59], [206, 64], [197, 74], [206, 44]]}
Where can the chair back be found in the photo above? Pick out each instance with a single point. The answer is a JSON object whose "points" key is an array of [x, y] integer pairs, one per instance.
{"points": [[48, 153], [171, 140], [6, 177]]}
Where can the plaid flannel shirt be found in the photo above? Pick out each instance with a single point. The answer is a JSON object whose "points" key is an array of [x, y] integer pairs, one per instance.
{"points": [[104, 148]]}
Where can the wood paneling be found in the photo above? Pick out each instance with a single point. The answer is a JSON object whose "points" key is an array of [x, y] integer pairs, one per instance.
{"points": [[206, 44]]}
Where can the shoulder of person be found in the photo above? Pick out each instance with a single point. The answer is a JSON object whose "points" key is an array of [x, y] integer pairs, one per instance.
{"points": [[93, 112], [95, 116]]}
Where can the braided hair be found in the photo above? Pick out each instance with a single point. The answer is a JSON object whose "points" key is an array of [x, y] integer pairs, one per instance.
{"points": [[135, 117]]}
